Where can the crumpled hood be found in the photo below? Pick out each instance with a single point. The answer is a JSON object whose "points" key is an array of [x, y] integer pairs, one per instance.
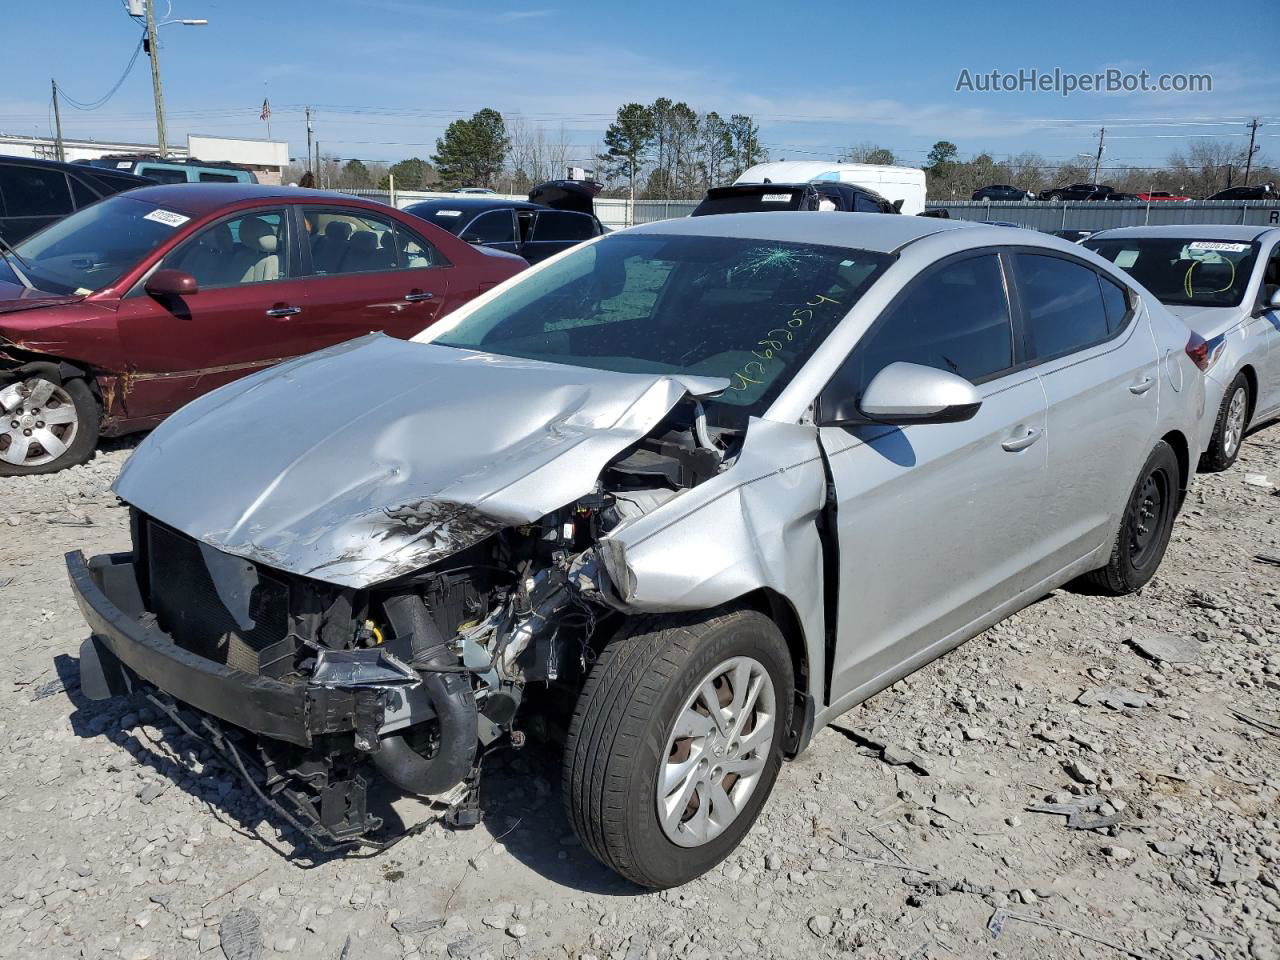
{"points": [[371, 459], [1208, 322]]}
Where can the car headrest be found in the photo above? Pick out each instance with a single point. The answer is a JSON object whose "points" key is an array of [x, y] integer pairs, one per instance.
{"points": [[258, 235], [364, 241], [337, 230], [218, 238]]}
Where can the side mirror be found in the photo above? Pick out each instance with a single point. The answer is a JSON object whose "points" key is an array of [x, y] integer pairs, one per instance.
{"points": [[1270, 300], [904, 394], [171, 283], [897, 204]]}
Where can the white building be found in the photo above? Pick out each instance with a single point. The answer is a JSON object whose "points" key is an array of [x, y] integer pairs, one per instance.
{"points": [[266, 158]]}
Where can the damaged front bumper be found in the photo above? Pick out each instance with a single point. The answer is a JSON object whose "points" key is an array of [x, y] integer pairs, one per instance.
{"points": [[308, 732], [125, 647]]}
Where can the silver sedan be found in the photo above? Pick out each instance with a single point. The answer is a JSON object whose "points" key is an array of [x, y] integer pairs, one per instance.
{"points": [[1224, 283], [702, 485]]}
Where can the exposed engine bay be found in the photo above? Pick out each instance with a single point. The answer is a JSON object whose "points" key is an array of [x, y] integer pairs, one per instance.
{"points": [[417, 676]]}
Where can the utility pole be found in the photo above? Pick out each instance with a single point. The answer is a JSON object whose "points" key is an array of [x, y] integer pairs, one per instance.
{"points": [[309, 138], [1097, 161], [57, 122], [153, 51], [1248, 160]]}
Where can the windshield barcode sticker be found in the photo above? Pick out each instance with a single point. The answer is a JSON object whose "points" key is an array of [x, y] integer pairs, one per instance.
{"points": [[775, 197], [1217, 245], [448, 213], [167, 217]]}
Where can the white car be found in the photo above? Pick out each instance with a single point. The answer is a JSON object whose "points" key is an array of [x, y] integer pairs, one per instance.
{"points": [[1224, 283]]}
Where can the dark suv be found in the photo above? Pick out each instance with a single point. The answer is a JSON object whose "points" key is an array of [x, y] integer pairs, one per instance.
{"points": [[35, 193], [772, 197], [557, 215]]}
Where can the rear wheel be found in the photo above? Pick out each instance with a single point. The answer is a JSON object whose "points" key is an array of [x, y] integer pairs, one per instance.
{"points": [[1228, 429], [46, 425], [1145, 526], [676, 742]]}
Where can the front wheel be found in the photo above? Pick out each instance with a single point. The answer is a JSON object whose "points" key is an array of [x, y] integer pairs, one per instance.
{"points": [[676, 742], [1228, 429], [1145, 526], [46, 425]]}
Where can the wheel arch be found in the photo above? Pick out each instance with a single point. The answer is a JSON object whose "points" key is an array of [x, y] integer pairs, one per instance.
{"points": [[1251, 376], [784, 615], [1182, 450]]}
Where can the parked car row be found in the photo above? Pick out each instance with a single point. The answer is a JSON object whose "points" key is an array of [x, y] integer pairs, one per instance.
{"points": [[1100, 191], [674, 480]]}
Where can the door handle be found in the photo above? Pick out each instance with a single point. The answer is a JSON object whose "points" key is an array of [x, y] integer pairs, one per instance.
{"points": [[413, 296], [283, 311], [1143, 387], [1014, 444]]}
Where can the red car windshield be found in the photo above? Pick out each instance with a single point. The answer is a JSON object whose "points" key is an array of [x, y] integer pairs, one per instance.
{"points": [[94, 247]]}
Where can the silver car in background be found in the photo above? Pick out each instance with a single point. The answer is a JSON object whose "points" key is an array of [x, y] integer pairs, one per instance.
{"points": [[1224, 283], [693, 489]]}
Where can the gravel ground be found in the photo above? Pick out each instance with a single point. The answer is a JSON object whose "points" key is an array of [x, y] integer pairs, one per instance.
{"points": [[904, 832]]}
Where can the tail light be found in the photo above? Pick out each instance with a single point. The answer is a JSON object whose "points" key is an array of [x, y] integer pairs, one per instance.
{"points": [[1205, 353]]}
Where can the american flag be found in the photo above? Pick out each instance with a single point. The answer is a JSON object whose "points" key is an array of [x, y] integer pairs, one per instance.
{"points": [[266, 111]]}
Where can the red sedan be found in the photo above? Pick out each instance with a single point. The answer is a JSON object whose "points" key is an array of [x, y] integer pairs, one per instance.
{"points": [[115, 317], [1162, 196]]}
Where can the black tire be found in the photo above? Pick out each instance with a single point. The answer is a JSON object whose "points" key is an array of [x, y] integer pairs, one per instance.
{"points": [[1055, 198], [621, 726], [84, 440], [1228, 432], [1145, 526]]}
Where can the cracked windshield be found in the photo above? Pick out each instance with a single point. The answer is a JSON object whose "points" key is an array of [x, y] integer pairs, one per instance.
{"points": [[750, 311]]}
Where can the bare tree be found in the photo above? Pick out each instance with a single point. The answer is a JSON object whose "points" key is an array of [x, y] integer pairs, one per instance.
{"points": [[871, 153]]}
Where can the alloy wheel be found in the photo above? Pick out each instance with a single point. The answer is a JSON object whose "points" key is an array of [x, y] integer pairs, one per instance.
{"points": [[1233, 425], [38, 422], [716, 752]]}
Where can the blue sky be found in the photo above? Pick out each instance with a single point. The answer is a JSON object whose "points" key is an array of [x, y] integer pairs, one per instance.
{"points": [[385, 76]]}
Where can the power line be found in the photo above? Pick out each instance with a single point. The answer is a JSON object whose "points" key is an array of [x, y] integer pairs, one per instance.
{"points": [[110, 93]]}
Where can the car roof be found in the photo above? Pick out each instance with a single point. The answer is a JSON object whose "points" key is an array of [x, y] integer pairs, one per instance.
{"points": [[861, 231], [69, 167], [474, 202], [202, 198], [1195, 231]]}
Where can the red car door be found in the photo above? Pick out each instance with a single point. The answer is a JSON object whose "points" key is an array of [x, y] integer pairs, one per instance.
{"points": [[249, 311], [369, 272]]}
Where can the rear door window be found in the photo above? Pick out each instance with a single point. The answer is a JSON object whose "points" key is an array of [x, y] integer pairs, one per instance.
{"points": [[1116, 300], [207, 177], [495, 226], [353, 241], [82, 195], [1063, 305], [561, 226], [34, 192]]}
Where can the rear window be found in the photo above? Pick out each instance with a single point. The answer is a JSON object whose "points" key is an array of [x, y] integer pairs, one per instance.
{"points": [[207, 177], [1184, 271], [448, 217], [753, 201], [164, 174]]}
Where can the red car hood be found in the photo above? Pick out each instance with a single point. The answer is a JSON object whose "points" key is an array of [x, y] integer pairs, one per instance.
{"points": [[15, 298]]}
